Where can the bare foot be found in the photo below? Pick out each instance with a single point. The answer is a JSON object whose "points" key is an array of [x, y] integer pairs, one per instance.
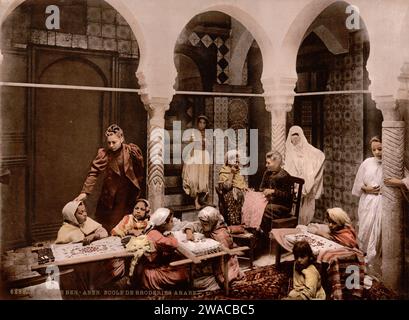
{"points": [[197, 204]]}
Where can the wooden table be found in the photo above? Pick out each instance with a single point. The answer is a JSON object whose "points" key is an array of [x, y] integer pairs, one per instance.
{"points": [[113, 253], [224, 256]]}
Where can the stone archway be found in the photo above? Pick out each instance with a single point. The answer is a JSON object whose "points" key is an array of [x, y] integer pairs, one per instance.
{"points": [[34, 120]]}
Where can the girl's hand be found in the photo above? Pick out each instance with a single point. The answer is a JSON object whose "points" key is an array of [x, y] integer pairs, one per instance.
{"points": [[135, 232], [87, 240], [371, 190], [189, 235], [81, 197], [268, 192], [393, 182]]}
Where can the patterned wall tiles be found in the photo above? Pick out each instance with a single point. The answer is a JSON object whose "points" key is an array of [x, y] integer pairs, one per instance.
{"points": [[51, 38], [79, 41], [94, 3], [95, 43], [208, 41], [125, 47], [108, 31], [63, 39], [94, 29], [120, 20], [94, 14], [110, 45], [343, 131], [135, 49], [105, 30], [123, 32], [108, 16], [39, 37]]}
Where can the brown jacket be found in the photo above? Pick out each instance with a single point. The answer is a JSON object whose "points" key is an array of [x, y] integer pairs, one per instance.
{"points": [[105, 161]]}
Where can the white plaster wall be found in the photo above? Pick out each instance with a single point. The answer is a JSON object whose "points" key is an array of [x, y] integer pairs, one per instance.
{"points": [[278, 26]]}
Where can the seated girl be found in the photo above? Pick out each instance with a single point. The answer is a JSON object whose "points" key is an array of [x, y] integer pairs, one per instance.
{"points": [[133, 224], [212, 225], [233, 185], [78, 227], [340, 228], [156, 272], [306, 278]]}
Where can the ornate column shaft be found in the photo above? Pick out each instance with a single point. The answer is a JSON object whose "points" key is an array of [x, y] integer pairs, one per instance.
{"points": [[393, 143], [156, 93], [278, 125], [156, 150]]}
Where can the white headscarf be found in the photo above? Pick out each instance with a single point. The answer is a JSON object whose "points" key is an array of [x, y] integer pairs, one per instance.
{"points": [[339, 216], [68, 212], [159, 217], [210, 214], [304, 161]]}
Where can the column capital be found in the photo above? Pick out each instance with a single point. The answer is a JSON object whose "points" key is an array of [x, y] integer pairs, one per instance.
{"points": [[154, 91], [157, 108], [389, 107], [403, 91], [280, 85], [279, 94]]}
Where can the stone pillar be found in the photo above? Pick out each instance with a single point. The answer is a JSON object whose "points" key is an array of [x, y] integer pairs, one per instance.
{"points": [[393, 143], [156, 91], [156, 150], [278, 125]]}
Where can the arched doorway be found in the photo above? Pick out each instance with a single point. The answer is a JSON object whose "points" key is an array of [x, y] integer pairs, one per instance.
{"points": [[226, 57], [60, 130], [333, 58]]}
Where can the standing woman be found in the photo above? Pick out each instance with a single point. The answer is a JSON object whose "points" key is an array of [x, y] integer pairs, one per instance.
{"points": [[305, 161], [123, 167], [195, 172], [367, 187]]}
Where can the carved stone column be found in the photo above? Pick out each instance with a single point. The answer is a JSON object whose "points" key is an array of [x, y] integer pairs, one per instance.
{"points": [[156, 92], [156, 151], [278, 125], [393, 143]]}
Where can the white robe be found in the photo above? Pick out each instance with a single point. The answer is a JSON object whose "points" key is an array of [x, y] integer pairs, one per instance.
{"points": [[196, 168], [369, 210], [307, 162]]}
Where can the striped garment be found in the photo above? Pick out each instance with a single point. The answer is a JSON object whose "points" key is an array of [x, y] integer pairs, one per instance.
{"points": [[337, 262]]}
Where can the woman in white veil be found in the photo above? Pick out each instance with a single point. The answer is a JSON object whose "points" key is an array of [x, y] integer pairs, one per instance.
{"points": [[305, 161]]}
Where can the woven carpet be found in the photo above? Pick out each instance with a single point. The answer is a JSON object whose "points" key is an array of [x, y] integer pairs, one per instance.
{"points": [[270, 283], [261, 283]]}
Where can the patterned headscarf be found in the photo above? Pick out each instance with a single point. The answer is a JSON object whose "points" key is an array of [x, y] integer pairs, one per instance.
{"points": [[68, 212], [339, 216], [211, 215]]}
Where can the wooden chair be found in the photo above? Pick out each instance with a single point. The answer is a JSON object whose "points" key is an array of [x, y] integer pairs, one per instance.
{"points": [[247, 238], [292, 220]]}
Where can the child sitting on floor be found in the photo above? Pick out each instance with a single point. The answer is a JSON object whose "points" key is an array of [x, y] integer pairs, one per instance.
{"points": [[306, 278], [133, 224]]}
